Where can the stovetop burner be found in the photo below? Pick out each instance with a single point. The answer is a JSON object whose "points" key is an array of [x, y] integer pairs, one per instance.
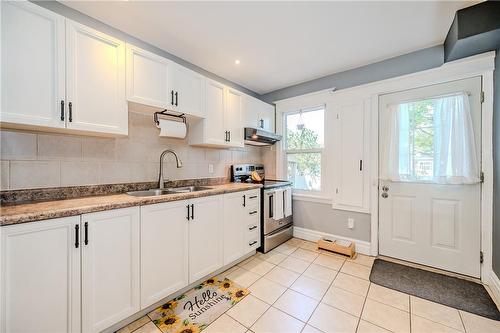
{"points": [[241, 173]]}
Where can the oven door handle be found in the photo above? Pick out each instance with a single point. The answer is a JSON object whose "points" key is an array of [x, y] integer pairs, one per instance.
{"points": [[271, 198]]}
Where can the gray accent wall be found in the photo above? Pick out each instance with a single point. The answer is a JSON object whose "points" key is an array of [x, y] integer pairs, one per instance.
{"points": [[496, 166], [79, 17], [321, 217], [405, 64]]}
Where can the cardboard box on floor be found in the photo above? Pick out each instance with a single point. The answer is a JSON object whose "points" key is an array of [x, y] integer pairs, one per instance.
{"points": [[338, 246]]}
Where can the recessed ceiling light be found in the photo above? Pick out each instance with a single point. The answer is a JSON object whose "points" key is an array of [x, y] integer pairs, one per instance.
{"points": [[236, 62]]}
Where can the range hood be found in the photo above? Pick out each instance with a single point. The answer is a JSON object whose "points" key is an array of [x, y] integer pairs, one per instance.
{"points": [[260, 137]]}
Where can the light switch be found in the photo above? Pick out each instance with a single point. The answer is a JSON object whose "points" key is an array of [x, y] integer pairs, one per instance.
{"points": [[210, 168], [350, 223]]}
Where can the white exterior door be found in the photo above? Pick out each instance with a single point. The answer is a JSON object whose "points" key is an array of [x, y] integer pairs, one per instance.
{"points": [[110, 267], [205, 237], [95, 81], [32, 65], [164, 250], [40, 277], [421, 220]]}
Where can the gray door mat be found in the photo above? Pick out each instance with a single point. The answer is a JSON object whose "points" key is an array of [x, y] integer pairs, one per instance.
{"points": [[447, 290]]}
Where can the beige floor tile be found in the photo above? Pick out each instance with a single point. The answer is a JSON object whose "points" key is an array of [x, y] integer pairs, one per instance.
{"points": [[356, 270], [363, 260], [274, 257], [422, 325], [282, 276], [243, 277], [134, 325], [436, 312], [366, 327], [267, 290], [296, 305], [329, 319], [386, 316], [294, 264], [276, 321], [295, 242], [248, 310], [344, 300], [320, 273], [225, 324], [247, 260], [226, 273], [148, 328], [286, 249], [310, 287], [351, 283], [478, 324], [332, 262], [310, 329], [390, 297], [258, 266], [304, 255], [311, 246]]}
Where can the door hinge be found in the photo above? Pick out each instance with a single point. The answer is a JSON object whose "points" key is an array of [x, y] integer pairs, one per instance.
{"points": [[481, 257], [481, 177], [482, 96]]}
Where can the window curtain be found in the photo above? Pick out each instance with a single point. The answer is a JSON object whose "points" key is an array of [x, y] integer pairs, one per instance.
{"points": [[455, 158]]}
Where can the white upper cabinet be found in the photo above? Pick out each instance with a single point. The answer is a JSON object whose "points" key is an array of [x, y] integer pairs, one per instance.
{"points": [[110, 267], [351, 179], [33, 65], [147, 76], [258, 114], [95, 81], [40, 275], [186, 91], [233, 117]]}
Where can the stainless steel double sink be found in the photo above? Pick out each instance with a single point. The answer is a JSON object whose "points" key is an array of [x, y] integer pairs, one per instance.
{"points": [[172, 190]]}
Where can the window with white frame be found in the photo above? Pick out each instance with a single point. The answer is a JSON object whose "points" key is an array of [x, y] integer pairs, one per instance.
{"points": [[303, 147]]}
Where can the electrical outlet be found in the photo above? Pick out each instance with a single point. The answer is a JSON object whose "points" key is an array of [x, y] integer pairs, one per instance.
{"points": [[350, 223], [210, 168]]}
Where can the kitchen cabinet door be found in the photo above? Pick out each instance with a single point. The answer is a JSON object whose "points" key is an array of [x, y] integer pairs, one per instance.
{"points": [[33, 65], [233, 117], [186, 91], [40, 277], [164, 250], [147, 75], [234, 214], [211, 131], [95, 81], [110, 267], [266, 117], [205, 235]]}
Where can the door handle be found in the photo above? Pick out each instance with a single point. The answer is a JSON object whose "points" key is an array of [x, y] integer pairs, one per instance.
{"points": [[252, 243], [62, 110], [172, 97], [229, 132], [271, 198], [244, 200], [187, 217], [70, 106], [86, 229], [252, 228], [77, 235], [192, 211], [253, 212], [385, 195], [385, 188], [176, 98]]}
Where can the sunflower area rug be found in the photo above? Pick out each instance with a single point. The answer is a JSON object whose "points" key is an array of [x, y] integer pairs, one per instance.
{"points": [[195, 310]]}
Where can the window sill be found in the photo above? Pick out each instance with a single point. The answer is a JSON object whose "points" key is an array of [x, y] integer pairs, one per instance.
{"points": [[312, 198]]}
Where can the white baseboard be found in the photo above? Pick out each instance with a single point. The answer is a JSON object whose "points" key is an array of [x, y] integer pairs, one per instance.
{"points": [[362, 247], [493, 283]]}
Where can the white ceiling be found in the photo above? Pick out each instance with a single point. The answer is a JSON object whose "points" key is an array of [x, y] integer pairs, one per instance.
{"points": [[279, 43]]}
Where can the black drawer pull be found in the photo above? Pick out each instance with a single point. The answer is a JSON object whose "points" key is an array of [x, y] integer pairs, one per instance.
{"points": [[252, 213], [252, 228], [62, 110], [70, 105], [77, 235], [253, 197], [252, 243], [244, 200], [188, 213], [172, 95], [192, 211], [86, 239]]}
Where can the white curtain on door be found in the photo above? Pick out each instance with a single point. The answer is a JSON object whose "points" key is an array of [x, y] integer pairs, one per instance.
{"points": [[455, 155]]}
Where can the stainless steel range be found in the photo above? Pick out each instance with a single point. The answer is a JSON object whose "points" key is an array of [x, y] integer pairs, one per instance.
{"points": [[276, 204]]}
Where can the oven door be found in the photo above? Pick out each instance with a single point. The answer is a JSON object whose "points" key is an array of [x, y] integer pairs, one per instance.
{"points": [[270, 224]]}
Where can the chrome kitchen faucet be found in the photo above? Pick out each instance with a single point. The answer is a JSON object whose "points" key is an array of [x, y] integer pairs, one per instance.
{"points": [[161, 182]]}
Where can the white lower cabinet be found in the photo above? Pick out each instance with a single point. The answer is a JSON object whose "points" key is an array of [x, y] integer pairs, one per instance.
{"points": [[40, 277], [110, 267], [164, 250], [205, 232]]}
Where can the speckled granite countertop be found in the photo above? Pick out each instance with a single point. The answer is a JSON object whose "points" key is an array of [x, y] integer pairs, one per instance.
{"points": [[43, 210]]}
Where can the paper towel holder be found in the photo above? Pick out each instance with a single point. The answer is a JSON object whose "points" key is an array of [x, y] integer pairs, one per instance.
{"points": [[165, 113]]}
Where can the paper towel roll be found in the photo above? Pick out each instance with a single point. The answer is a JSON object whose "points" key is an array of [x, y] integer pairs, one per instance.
{"points": [[172, 129]]}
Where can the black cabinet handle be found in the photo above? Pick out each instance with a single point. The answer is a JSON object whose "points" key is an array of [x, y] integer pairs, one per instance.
{"points": [[253, 197], [86, 239], [229, 132], [360, 165], [252, 228], [176, 98], [252, 243], [172, 97], [192, 211], [77, 235], [253, 213], [244, 200], [226, 138], [271, 206], [62, 110], [261, 121], [188, 213], [70, 105]]}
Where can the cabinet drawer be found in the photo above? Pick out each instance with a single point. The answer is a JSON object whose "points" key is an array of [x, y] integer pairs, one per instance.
{"points": [[253, 243], [252, 228], [253, 196], [253, 212]]}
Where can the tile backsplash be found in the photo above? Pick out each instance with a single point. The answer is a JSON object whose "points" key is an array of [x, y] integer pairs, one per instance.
{"points": [[36, 160]]}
